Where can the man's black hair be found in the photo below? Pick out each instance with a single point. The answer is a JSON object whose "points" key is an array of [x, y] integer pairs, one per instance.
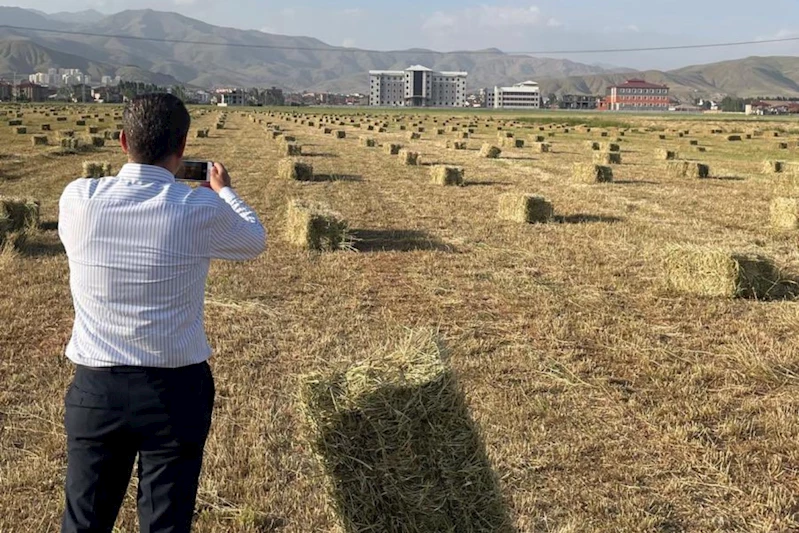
{"points": [[156, 126]]}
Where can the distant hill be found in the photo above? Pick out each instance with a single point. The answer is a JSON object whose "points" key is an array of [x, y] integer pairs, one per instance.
{"points": [[750, 77], [294, 63], [252, 58], [22, 56]]}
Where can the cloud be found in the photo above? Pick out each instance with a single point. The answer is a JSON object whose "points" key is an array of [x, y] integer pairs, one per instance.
{"points": [[348, 43], [487, 17], [353, 12]]}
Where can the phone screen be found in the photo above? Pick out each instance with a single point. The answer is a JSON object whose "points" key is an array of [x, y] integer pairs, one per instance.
{"points": [[193, 171]]}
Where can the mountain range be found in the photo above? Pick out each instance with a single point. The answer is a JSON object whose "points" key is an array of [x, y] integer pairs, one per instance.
{"points": [[155, 50]]}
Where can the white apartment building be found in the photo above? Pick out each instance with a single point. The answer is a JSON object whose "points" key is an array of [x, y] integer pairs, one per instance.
{"points": [[417, 86], [525, 95], [231, 97]]}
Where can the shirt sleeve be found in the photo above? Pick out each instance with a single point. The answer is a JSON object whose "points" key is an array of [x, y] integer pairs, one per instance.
{"points": [[236, 232]]}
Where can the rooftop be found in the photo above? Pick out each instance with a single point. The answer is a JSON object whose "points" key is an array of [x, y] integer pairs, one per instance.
{"points": [[636, 83]]}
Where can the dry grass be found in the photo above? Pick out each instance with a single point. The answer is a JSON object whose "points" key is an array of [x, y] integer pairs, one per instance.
{"points": [[607, 402]]}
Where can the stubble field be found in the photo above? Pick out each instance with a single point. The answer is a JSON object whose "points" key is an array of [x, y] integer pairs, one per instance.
{"points": [[607, 401]]}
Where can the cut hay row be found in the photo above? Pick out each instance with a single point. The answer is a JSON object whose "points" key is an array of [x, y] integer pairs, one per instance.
{"points": [[292, 169]]}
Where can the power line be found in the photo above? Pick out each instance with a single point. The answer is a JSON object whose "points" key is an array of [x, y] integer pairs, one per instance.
{"points": [[414, 52]]}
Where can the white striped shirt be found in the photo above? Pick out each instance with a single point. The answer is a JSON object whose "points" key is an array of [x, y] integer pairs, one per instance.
{"points": [[139, 248]]}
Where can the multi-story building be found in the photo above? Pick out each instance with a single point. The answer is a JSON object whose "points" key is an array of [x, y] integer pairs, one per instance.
{"points": [[6, 91], [40, 77], [578, 101], [231, 97], [636, 95], [30, 92], [525, 95], [417, 86]]}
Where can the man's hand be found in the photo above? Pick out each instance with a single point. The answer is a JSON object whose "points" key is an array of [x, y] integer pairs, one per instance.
{"points": [[219, 177]]}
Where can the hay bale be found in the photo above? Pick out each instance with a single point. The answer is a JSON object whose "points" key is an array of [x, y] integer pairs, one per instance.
{"points": [[367, 142], [525, 208], [398, 447], [607, 158], [612, 147], [693, 142], [92, 130], [46, 127], [291, 169], [785, 213], [96, 169], [782, 146], [733, 138], [341, 134], [39, 140], [413, 136], [409, 158], [15, 123], [97, 141], [315, 227], [17, 217], [291, 149], [773, 167], [688, 169], [392, 149], [589, 173], [713, 272], [21, 130], [593, 145], [446, 175], [700, 149], [666, 155], [490, 151], [61, 119], [543, 148], [115, 135], [80, 122]]}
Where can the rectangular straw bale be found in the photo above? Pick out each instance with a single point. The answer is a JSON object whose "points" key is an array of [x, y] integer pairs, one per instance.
{"points": [[773, 167], [96, 169], [456, 145], [46, 127], [490, 151], [414, 136], [525, 208], [785, 213], [589, 173], [713, 272], [593, 145], [202, 134], [368, 142], [15, 123], [688, 169], [39, 140], [734, 138], [607, 158], [398, 447], [291, 149], [291, 169], [543, 148], [314, 226], [612, 147], [21, 130], [392, 149], [96, 141], [666, 155], [446, 175], [409, 158]]}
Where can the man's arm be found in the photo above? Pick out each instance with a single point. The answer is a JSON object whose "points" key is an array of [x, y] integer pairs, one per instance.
{"points": [[236, 233]]}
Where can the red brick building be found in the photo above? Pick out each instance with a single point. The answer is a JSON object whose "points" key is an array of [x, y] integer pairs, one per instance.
{"points": [[636, 95]]}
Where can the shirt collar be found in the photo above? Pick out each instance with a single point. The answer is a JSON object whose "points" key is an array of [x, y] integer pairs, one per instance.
{"points": [[135, 171]]}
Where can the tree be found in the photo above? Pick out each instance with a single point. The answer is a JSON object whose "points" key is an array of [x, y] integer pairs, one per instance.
{"points": [[732, 105]]}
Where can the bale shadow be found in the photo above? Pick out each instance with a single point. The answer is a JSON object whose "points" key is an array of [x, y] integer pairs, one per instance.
{"points": [[437, 164], [482, 183], [338, 177], [365, 240], [726, 178], [582, 218], [51, 225], [38, 249], [636, 182], [320, 154]]}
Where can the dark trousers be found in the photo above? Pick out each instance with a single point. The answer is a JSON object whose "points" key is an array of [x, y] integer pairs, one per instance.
{"points": [[163, 415]]}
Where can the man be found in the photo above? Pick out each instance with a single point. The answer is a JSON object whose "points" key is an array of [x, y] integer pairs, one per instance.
{"points": [[139, 247]]}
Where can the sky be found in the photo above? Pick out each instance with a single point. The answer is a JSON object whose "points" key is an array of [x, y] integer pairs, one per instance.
{"points": [[510, 25]]}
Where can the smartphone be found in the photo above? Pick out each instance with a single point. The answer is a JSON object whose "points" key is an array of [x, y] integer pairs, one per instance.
{"points": [[195, 171]]}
